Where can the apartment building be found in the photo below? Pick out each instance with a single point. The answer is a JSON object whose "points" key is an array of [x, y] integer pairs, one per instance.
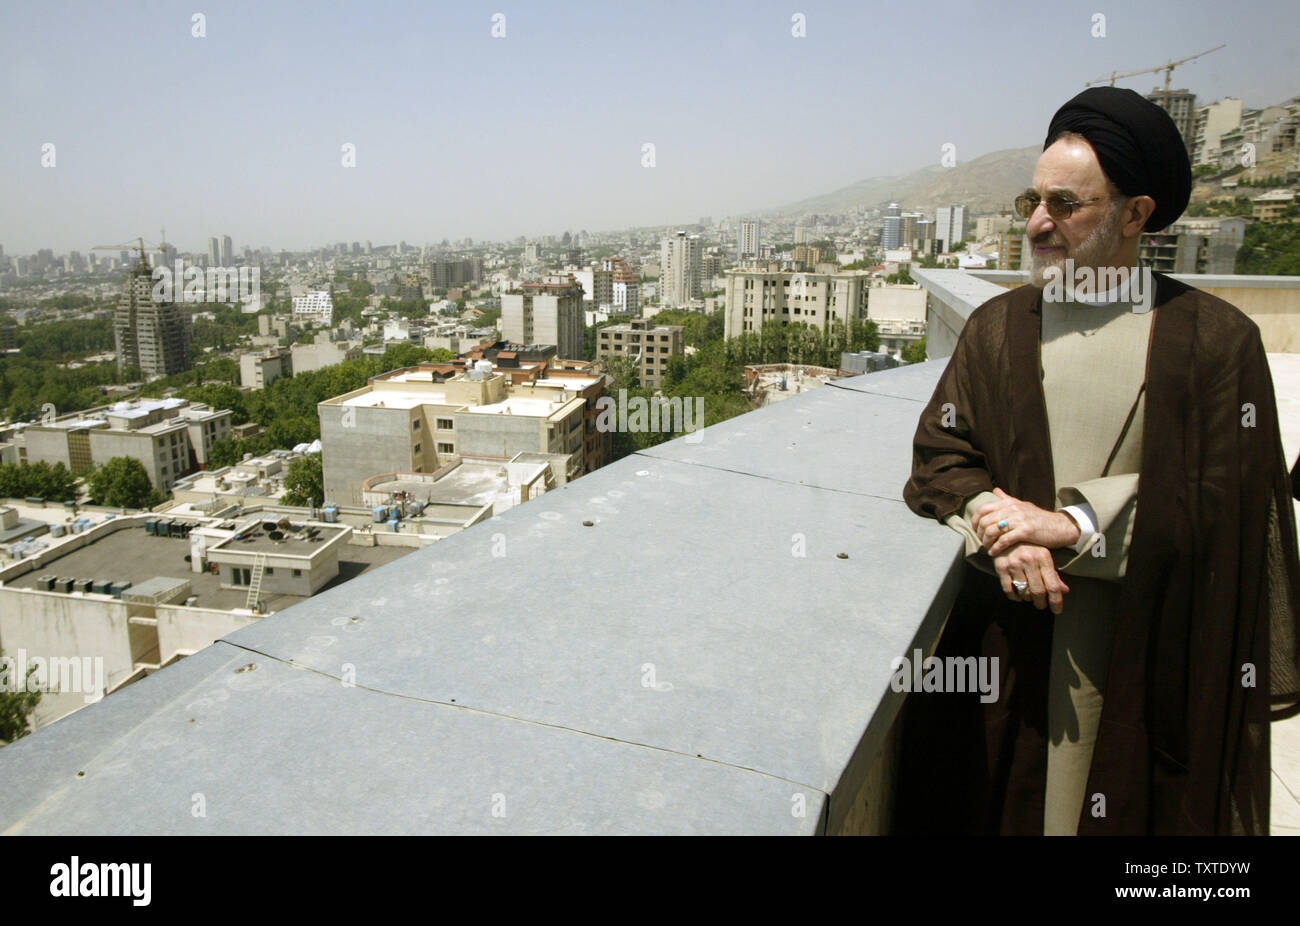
{"points": [[1194, 245], [549, 312], [748, 241], [615, 288], [681, 266], [763, 294], [170, 437], [1272, 206], [414, 421], [258, 369], [322, 352], [653, 344], [447, 273], [313, 308], [1212, 121], [949, 226]]}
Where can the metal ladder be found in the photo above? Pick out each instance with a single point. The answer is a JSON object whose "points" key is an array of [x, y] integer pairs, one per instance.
{"points": [[255, 583]]}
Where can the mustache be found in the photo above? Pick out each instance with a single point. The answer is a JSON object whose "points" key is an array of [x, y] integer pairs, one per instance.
{"points": [[1047, 239]]}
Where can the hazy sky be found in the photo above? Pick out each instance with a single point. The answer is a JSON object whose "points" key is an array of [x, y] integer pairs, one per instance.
{"points": [[459, 133]]}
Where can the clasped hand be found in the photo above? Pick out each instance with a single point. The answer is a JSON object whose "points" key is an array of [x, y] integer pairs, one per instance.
{"points": [[1021, 551]]}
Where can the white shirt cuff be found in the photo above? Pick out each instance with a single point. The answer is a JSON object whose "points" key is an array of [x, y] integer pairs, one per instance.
{"points": [[1087, 519]]}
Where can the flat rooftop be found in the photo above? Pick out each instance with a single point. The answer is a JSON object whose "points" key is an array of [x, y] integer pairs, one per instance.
{"points": [[470, 483], [254, 536], [136, 557], [518, 405], [396, 398]]}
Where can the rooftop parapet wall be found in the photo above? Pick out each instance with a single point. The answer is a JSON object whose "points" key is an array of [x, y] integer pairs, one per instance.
{"points": [[700, 659], [1272, 302]]}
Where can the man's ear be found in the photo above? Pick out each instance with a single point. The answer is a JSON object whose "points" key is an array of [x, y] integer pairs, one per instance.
{"points": [[1137, 209]]}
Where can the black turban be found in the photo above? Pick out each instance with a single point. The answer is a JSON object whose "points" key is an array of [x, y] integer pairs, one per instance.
{"points": [[1137, 143]]}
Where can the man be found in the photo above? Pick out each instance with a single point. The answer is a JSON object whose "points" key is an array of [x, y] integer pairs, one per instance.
{"points": [[1106, 440]]}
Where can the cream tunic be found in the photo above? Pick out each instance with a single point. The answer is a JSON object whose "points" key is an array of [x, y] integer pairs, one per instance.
{"points": [[1093, 363]]}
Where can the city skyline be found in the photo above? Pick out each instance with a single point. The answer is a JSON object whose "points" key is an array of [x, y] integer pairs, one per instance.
{"points": [[458, 133]]}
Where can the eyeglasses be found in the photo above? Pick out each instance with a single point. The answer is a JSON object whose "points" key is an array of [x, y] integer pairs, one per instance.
{"points": [[1058, 207]]}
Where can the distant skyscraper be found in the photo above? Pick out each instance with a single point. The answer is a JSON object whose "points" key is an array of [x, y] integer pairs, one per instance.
{"points": [[680, 268], [153, 336], [214, 252], [949, 226], [227, 251], [748, 243], [891, 233]]}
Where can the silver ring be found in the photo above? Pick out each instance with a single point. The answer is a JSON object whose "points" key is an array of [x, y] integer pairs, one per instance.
{"points": [[1020, 587], [1002, 525]]}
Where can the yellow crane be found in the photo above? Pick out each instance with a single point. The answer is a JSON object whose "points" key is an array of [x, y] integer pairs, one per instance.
{"points": [[1168, 68]]}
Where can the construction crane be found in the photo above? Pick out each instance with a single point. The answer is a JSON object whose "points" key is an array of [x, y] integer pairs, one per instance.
{"points": [[138, 243], [1168, 68]]}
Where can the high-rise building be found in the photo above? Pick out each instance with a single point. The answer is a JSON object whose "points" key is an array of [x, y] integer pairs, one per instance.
{"points": [[950, 226], [549, 312], [748, 242], [214, 252], [1213, 121], [448, 273], [1181, 106], [227, 251], [154, 336], [680, 269], [891, 232]]}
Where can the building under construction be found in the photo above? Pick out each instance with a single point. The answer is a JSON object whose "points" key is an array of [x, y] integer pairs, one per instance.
{"points": [[151, 335]]}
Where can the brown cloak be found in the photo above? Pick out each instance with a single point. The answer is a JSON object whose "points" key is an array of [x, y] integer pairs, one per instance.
{"points": [[1212, 588]]}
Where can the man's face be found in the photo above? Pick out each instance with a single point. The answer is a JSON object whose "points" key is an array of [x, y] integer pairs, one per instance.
{"points": [[1090, 236]]}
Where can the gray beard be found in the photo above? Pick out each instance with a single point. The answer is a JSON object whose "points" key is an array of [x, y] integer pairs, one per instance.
{"points": [[1090, 252]]}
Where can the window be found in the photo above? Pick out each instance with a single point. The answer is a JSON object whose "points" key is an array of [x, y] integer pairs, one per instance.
{"points": [[445, 424], [270, 571], [415, 425], [297, 573], [240, 576], [446, 448], [416, 448]]}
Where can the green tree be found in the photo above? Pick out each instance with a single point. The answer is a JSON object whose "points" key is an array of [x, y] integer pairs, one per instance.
{"points": [[37, 480], [1270, 249], [914, 352], [123, 483], [16, 706], [305, 481]]}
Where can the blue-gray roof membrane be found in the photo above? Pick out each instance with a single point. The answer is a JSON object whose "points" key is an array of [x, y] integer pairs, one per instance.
{"points": [[690, 662]]}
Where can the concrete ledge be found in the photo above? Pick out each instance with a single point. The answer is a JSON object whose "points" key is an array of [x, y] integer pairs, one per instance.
{"points": [[672, 643]]}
